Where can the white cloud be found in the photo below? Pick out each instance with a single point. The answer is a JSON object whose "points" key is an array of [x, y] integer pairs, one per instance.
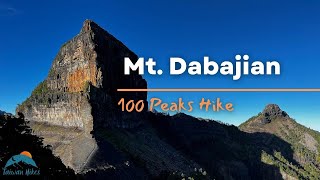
{"points": [[6, 10]]}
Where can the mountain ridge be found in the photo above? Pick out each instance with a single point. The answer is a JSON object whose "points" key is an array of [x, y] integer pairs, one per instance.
{"points": [[304, 141]]}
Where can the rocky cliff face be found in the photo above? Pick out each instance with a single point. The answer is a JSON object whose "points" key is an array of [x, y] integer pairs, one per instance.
{"points": [[81, 89], [87, 71]]}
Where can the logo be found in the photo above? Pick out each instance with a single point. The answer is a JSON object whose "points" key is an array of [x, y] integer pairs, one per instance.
{"points": [[21, 164]]}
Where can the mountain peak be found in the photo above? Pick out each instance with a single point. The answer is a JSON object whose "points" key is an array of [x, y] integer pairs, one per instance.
{"points": [[89, 25], [273, 110], [80, 90], [272, 114]]}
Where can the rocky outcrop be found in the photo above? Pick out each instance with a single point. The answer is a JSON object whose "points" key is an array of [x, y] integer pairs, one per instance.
{"points": [[6, 115], [81, 90], [273, 111], [87, 71]]}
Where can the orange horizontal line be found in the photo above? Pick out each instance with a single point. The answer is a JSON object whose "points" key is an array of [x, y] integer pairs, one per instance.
{"points": [[222, 90]]}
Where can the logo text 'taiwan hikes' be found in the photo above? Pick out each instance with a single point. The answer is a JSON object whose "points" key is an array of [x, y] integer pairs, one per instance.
{"points": [[21, 165]]}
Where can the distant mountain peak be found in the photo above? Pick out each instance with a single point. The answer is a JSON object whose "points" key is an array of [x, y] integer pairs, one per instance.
{"points": [[272, 111], [304, 142], [271, 114]]}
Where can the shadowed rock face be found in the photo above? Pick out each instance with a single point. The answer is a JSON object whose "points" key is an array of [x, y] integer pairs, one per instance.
{"points": [[81, 91], [274, 111]]}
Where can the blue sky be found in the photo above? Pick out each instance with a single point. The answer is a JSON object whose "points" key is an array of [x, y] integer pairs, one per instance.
{"points": [[287, 31]]}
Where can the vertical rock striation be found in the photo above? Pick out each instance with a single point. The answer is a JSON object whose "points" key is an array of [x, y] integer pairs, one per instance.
{"points": [[81, 90], [86, 73]]}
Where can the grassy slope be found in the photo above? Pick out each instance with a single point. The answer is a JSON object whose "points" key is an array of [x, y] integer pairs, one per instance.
{"points": [[304, 143]]}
